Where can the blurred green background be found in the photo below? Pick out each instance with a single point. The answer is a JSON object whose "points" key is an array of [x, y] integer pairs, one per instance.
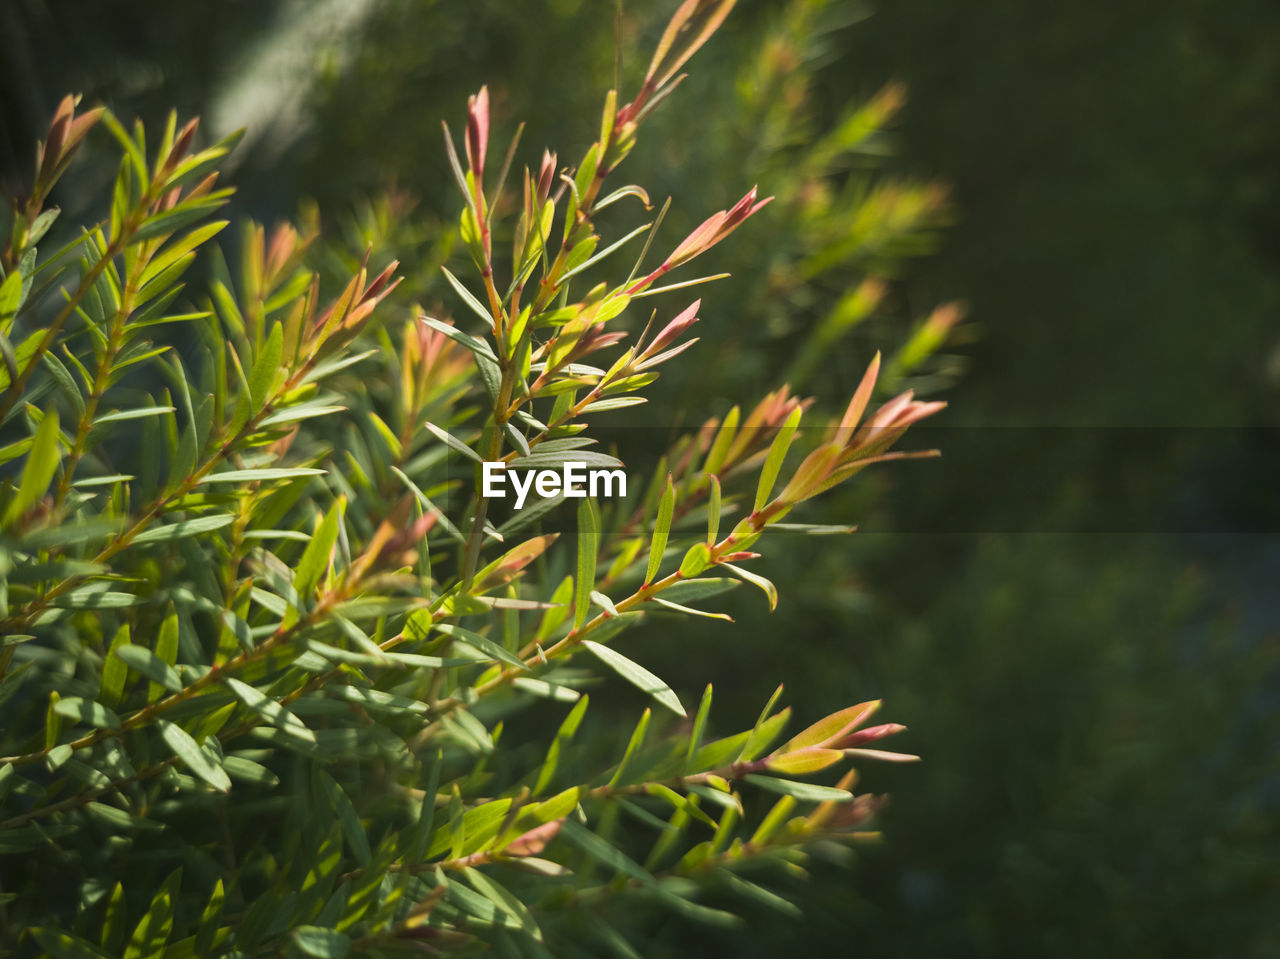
{"points": [[1075, 610]]}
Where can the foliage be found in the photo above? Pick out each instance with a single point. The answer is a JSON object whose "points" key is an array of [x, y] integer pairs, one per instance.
{"points": [[275, 676]]}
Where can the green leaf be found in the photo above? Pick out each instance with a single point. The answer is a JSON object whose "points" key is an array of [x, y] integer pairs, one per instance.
{"points": [[303, 411], [452, 442], [542, 458], [504, 900], [195, 758], [586, 171], [545, 690], [695, 561], [153, 931], [246, 770], [482, 644], [774, 820], [37, 472], [340, 804], [322, 943], [95, 596], [636, 741], [171, 221], [66, 384], [661, 530], [166, 652], [757, 580], [87, 712], [208, 930], [261, 475], [713, 509], [723, 442], [265, 368], [766, 728], [613, 403], [799, 762], [476, 346], [478, 824], [807, 792], [62, 945], [587, 264], [563, 736], [270, 710], [691, 590], [113, 922], [134, 414], [691, 611], [316, 557], [41, 224], [777, 453], [143, 661], [588, 549], [699, 724], [638, 676], [187, 527], [683, 803], [812, 529], [467, 298], [91, 481], [10, 300], [603, 851], [759, 895]]}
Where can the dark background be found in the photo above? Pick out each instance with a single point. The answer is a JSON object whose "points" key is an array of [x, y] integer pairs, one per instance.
{"points": [[1075, 609]]}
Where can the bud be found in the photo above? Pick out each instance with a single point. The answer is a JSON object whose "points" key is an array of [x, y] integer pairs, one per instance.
{"points": [[870, 734], [546, 176], [477, 131]]}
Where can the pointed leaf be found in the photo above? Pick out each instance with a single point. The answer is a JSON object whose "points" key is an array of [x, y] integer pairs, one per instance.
{"points": [[661, 530], [807, 792], [144, 661], [638, 676], [187, 527], [37, 472], [316, 557], [830, 728], [195, 758], [88, 712], [270, 710], [755, 579], [777, 454], [810, 759], [482, 643]]}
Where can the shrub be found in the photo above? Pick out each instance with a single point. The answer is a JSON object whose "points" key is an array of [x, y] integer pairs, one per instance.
{"points": [[277, 676]]}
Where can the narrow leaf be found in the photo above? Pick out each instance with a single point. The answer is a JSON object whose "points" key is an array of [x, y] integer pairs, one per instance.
{"points": [[37, 472], [638, 676], [195, 758], [661, 530]]}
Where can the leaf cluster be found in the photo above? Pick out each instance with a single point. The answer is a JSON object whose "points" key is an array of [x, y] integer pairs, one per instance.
{"points": [[262, 638]]}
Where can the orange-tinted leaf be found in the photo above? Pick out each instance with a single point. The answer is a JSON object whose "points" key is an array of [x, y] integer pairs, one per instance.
{"points": [[832, 728], [810, 759]]}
